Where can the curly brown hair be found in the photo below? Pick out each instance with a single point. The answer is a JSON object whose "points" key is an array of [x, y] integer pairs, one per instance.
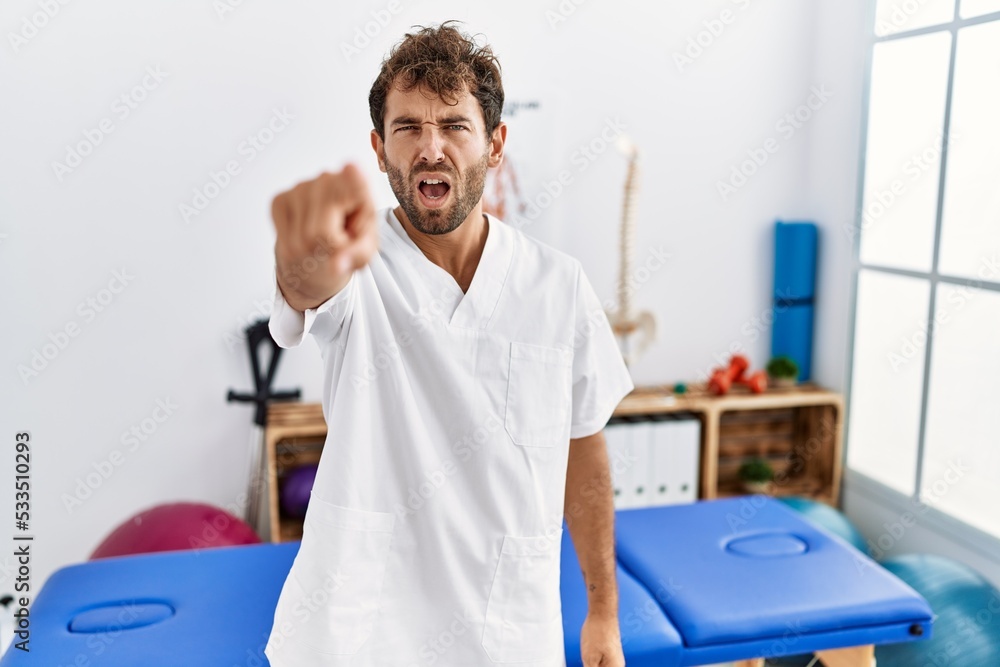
{"points": [[446, 62]]}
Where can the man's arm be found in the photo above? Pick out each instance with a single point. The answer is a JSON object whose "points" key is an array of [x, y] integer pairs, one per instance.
{"points": [[590, 517]]}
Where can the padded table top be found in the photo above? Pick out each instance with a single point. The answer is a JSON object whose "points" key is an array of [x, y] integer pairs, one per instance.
{"points": [[210, 607], [751, 570]]}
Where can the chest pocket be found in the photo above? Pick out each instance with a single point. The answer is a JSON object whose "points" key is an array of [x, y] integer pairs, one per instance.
{"points": [[539, 394]]}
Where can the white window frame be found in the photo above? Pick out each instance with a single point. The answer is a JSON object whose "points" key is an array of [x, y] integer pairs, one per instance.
{"points": [[930, 517]]}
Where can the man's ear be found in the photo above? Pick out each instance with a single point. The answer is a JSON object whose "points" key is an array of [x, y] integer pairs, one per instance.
{"points": [[496, 145], [378, 147]]}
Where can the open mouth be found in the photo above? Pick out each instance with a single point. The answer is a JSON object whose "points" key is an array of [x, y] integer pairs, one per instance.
{"points": [[433, 191]]}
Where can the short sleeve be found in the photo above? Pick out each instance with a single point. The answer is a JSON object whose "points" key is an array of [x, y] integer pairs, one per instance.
{"points": [[600, 377], [288, 326]]}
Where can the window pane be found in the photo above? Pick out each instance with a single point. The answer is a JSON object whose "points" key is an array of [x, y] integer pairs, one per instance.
{"points": [[972, 8], [902, 165], [971, 219], [887, 377], [893, 16], [962, 450]]}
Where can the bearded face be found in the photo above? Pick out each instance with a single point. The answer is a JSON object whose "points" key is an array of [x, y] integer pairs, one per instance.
{"points": [[437, 199], [436, 154]]}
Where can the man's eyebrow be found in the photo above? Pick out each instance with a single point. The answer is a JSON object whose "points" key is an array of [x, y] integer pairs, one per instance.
{"points": [[406, 120], [411, 120]]}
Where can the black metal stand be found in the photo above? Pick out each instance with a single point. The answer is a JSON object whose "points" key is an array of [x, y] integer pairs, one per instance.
{"points": [[258, 333]]}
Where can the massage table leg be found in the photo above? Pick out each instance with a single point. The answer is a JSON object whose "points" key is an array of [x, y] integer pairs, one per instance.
{"points": [[855, 656]]}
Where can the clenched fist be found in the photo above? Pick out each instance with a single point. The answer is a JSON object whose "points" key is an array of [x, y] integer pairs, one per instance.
{"points": [[326, 230]]}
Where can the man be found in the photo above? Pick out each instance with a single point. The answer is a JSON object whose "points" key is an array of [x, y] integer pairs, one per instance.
{"points": [[469, 371]]}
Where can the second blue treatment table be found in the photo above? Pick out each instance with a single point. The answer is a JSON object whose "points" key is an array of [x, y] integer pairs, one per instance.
{"points": [[743, 579], [714, 581]]}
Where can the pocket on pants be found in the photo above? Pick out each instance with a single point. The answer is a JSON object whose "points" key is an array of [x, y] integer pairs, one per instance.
{"points": [[524, 609], [539, 394], [342, 565]]}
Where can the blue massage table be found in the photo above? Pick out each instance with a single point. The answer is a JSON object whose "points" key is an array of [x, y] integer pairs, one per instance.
{"points": [[714, 581]]}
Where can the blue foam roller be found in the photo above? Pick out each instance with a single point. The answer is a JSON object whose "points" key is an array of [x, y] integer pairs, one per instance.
{"points": [[792, 336], [795, 260], [795, 246]]}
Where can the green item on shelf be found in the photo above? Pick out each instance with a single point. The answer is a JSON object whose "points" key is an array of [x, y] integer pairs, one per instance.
{"points": [[783, 367], [680, 388], [756, 469]]}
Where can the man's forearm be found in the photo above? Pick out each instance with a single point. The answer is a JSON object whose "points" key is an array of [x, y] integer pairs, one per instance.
{"points": [[590, 517]]}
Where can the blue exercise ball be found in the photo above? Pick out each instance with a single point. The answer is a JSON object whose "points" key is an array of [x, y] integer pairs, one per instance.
{"points": [[296, 488], [966, 606], [823, 515]]}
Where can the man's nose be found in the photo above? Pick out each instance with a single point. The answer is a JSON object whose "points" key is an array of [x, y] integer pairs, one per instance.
{"points": [[431, 145]]}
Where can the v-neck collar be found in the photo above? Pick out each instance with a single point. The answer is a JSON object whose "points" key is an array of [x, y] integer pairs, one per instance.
{"points": [[476, 306]]}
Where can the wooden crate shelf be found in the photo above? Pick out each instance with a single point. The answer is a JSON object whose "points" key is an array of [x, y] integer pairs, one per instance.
{"points": [[294, 436], [812, 490], [290, 530], [797, 429]]}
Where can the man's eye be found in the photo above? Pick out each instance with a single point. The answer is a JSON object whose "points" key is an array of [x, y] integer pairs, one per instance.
{"points": [[406, 127], [456, 127]]}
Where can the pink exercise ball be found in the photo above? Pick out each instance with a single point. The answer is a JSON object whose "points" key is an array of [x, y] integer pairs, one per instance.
{"points": [[175, 527]]}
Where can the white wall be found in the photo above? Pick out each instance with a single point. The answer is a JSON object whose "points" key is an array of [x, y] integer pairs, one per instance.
{"points": [[694, 122], [172, 334], [831, 171]]}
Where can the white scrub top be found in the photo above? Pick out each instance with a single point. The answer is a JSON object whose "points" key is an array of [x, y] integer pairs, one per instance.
{"points": [[433, 533]]}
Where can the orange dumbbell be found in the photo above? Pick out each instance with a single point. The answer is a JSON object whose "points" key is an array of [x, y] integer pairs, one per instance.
{"points": [[757, 382], [723, 378]]}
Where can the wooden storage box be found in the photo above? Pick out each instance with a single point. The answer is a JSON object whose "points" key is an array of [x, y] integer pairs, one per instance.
{"points": [[800, 443], [294, 436], [798, 429]]}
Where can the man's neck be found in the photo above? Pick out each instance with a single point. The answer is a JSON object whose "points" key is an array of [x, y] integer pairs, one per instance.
{"points": [[458, 252]]}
